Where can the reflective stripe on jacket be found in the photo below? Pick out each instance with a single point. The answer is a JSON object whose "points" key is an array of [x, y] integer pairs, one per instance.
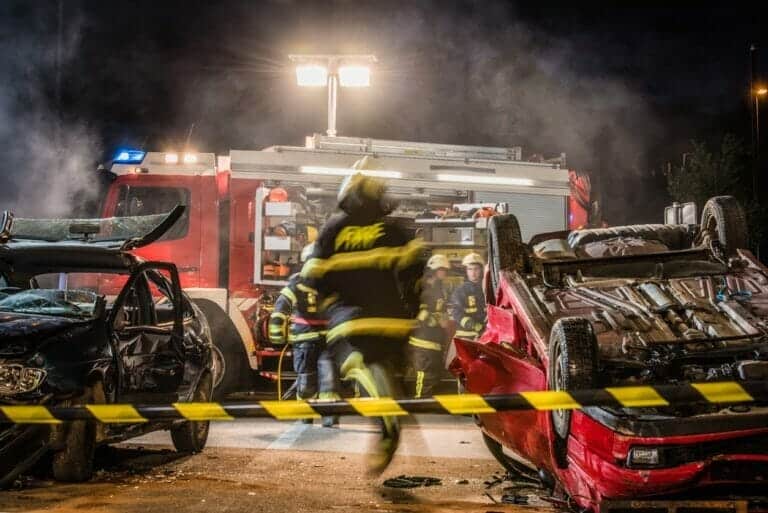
{"points": [[468, 309], [372, 269]]}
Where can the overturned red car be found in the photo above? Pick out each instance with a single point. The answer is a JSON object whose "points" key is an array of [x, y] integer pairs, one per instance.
{"points": [[623, 306]]}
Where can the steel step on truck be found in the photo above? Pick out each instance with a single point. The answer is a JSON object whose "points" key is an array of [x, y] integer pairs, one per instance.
{"points": [[250, 213]]}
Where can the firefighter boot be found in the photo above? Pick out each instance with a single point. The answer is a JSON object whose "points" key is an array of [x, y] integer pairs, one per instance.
{"points": [[375, 382], [330, 420]]}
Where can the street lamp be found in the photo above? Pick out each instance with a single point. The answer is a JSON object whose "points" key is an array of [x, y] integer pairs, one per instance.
{"points": [[332, 70], [757, 92]]}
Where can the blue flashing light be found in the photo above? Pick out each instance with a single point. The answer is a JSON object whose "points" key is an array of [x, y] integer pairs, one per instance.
{"points": [[129, 156]]}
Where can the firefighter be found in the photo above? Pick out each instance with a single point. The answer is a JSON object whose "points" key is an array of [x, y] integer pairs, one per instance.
{"points": [[298, 320], [468, 300], [427, 342], [372, 269]]}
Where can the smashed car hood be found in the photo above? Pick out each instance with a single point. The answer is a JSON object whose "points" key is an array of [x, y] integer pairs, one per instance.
{"points": [[20, 332]]}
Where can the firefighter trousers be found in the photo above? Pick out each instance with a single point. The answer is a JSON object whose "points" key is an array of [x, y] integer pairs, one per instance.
{"points": [[305, 359], [427, 364]]}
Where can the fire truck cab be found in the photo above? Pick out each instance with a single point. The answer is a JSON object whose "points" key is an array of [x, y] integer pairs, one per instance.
{"points": [[238, 241]]}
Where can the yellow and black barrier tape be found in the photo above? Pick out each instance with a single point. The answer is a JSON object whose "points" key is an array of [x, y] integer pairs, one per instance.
{"points": [[725, 392]]}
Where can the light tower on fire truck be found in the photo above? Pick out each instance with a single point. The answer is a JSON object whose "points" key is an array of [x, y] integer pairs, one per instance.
{"points": [[332, 71]]}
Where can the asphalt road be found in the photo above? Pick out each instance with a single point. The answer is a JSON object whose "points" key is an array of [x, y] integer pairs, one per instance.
{"points": [[425, 435], [262, 465]]}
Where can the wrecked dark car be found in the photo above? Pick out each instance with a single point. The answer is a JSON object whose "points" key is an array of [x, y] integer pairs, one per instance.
{"points": [[626, 306], [64, 341]]}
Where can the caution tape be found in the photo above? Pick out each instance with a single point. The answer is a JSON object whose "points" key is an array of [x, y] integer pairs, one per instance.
{"points": [[728, 392]]}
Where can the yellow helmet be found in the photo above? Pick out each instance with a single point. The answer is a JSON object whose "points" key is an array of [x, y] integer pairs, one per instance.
{"points": [[438, 261], [307, 252], [359, 190], [472, 258]]}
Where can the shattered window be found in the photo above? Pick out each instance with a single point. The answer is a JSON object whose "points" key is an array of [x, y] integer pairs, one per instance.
{"points": [[141, 201], [56, 294], [159, 281]]}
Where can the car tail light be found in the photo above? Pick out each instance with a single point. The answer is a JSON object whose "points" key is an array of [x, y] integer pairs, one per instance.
{"points": [[644, 457], [17, 379]]}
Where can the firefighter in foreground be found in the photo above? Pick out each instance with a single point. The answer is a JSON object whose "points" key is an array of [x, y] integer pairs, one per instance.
{"points": [[298, 319], [372, 269], [468, 300], [426, 344]]}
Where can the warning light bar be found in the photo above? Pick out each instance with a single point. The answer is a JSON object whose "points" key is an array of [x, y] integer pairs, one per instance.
{"points": [[129, 156]]}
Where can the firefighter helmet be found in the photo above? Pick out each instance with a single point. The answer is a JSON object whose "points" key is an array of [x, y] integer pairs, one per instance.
{"points": [[438, 261], [358, 191], [307, 252], [472, 258]]}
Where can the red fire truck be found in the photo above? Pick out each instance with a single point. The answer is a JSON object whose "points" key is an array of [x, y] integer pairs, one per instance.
{"points": [[250, 212]]}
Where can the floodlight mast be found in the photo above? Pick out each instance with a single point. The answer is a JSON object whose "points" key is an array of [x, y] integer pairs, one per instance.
{"points": [[332, 70]]}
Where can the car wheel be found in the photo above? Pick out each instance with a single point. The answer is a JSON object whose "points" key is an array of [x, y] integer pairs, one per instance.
{"points": [[74, 463], [572, 366], [231, 372], [724, 218], [508, 463], [191, 436], [505, 248]]}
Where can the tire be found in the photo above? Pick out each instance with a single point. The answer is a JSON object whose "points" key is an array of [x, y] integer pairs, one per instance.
{"points": [[572, 366], [74, 463], [724, 218], [505, 248], [232, 372], [191, 436], [510, 465]]}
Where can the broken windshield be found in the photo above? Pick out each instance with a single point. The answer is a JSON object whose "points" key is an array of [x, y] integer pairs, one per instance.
{"points": [[56, 302], [57, 294]]}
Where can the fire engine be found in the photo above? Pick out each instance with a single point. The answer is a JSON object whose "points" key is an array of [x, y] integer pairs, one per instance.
{"points": [[250, 212]]}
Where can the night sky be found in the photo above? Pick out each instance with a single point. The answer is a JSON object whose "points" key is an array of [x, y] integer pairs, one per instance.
{"points": [[620, 89]]}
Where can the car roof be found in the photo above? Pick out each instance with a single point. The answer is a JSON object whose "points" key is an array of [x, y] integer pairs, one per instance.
{"points": [[68, 245]]}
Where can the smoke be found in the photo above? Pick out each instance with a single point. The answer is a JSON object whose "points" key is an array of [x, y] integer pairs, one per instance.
{"points": [[48, 153], [449, 72], [459, 72]]}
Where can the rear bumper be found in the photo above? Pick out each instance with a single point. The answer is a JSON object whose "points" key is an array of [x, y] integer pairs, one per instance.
{"points": [[599, 467]]}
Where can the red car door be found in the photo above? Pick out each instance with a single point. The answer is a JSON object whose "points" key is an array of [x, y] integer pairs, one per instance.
{"points": [[497, 365]]}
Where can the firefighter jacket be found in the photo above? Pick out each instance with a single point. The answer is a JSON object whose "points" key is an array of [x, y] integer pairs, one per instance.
{"points": [[430, 333], [468, 304], [297, 315], [370, 269]]}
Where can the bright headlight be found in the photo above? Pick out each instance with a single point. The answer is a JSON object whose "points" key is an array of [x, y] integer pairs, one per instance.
{"points": [[17, 379]]}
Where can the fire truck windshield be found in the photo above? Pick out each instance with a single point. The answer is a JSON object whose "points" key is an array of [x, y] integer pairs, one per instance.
{"points": [[139, 201]]}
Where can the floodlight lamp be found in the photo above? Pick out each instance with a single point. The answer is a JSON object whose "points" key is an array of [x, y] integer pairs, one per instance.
{"points": [[311, 75], [355, 76]]}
